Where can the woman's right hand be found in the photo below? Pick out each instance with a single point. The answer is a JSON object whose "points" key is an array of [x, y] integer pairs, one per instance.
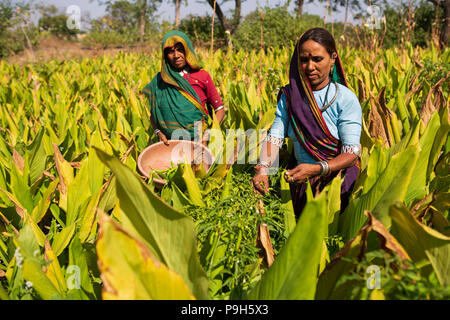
{"points": [[162, 137], [261, 180]]}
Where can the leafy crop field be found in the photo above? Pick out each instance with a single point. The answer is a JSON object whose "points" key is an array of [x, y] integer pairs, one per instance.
{"points": [[78, 221]]}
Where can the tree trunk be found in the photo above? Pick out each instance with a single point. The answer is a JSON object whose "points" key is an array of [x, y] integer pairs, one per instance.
{"points": [[237, 13], [299, 4], [346, 14], [177, 12], [445, 32], [223, 19], [142, 13]]}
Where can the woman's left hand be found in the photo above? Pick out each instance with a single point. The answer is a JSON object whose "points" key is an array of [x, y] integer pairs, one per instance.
{"points": [[302, 173]]}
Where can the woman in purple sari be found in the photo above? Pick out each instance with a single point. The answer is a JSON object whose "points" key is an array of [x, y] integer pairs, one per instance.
{"points": [[321, 115]]}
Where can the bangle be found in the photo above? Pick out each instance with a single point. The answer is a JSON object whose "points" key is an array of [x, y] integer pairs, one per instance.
{"points": [[324, 168], [263, 163], [355, 149], [157, 131], [219, 108], [275, 141]]}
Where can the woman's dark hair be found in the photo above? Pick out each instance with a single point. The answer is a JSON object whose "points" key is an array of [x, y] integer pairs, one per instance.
{"points": [[321, 36]]}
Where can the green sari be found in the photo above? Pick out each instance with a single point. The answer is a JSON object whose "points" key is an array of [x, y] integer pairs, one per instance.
{"points": [[174, 104]]}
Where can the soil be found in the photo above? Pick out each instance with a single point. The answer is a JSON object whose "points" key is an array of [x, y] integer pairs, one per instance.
{"points": [[51, 48]]}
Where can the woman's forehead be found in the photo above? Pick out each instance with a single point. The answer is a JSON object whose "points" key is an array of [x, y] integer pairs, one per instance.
{"points": [[312, 48], [177, 45]]}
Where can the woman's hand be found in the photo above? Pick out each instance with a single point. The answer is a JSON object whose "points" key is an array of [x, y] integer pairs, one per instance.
{"points": [[261, 177], [302, 172], [162, 137]]}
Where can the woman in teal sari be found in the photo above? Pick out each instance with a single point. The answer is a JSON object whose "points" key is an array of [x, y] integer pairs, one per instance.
{"points": [[181, 93]]}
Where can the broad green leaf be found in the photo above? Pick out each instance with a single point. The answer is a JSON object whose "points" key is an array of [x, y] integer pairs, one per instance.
{"points": [[65, 173], [389, 187], [439, 141], [287, 207], [131, 272], [334, 206], [37, 156], [40, 210], [54, 272], [267, 120], [32, 271], [324, 257], [96, 168], [329, 278], [20, 188], [78, 193], [3, 294], [169, 234], [293, 275], [32, 266], [228, 184], [195, 195], [78, 279], [422, 243], [88, 216], [417, 188], [61, 239], [179, 200], [216, 138], [40, 237]]}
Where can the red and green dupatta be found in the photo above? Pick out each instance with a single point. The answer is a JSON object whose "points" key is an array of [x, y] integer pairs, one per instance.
{"points": [[173, 102]]}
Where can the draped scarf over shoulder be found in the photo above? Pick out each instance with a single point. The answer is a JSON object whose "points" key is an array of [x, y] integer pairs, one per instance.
{"points": [[304, 113], [173, 102], [312, 132]]}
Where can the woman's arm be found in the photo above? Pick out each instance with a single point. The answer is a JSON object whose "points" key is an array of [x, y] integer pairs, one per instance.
{"points": [[161, 136], [270, 148], [220, 115], [305, 171], [269, 154], [349, 126]]}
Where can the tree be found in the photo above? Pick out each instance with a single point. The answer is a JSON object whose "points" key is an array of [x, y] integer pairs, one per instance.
{"points": [[177, 12], [226, 24], [143, 10], [122, 13], [445, 31], [55, 22], [299, 4], [16, 28]]}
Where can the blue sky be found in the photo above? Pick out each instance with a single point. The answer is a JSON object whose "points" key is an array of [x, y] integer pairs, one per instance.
{"points": [[166, 10]]}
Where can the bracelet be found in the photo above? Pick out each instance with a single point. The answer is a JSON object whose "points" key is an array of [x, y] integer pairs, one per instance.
{"points": [[325, 168], [219, 108], [157, 131], [355, 149], [275, 141], [263, 163]]}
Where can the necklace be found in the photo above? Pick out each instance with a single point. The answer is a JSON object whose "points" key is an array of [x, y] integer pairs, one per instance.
{"points": [[325, 107], [183, 72]]}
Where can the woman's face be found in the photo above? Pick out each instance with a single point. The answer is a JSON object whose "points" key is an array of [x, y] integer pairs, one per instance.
{"points": [[317, 63], [176, 56]]}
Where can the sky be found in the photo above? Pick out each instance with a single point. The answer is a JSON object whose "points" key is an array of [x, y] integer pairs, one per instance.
{"points": [[166, 10]]}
